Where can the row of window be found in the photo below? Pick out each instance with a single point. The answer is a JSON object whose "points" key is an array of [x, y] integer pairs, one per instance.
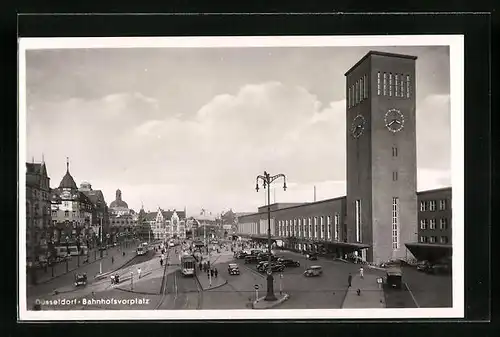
{"points": [[433, 239], [357, 92], [305, 228], [395, 223], [389, 84], [43, 194], [431, 223], [430, 205]]}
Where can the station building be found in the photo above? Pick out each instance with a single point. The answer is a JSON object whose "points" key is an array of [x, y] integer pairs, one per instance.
{"points": [[381, 218]]}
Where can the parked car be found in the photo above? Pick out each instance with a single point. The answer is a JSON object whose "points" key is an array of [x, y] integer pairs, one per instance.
{"points": [[275, 267], [313, 271], [423, 266], [261, 265], [289, 262], [439, 268], [233, 269], [312, 256], [240, 255], [251, 259]]}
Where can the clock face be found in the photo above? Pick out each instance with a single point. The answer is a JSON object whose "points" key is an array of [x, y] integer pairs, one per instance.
{"points": [[394, 120], [358, 126]]}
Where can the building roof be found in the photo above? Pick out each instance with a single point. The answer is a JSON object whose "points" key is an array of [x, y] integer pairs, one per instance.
{"points": [[436, 190], [68, 182], [168, 214], [379, 53]]}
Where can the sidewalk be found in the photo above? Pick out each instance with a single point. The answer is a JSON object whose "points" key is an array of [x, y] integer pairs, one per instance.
{"points": [[371, 295], [92, 269], [76, 263]]}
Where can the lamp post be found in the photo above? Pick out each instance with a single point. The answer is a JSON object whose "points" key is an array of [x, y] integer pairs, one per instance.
{"points": [[267, 179]]}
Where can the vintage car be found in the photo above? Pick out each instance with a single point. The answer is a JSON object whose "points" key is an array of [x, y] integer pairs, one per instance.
{"points": [[289, 262], [261, 265], [233, 269], [251, 259], [394, 277], [313, 271], [115, 279], [275, 267], [423, 266], [80, 279], [312, 256]]}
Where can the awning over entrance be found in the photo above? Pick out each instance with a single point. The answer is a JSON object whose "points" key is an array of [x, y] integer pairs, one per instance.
{"points": [[429, 251], [352, 245]]}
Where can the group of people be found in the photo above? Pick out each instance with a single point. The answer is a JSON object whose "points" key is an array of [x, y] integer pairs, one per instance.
{"points": [[211, 271], [361, 276]]}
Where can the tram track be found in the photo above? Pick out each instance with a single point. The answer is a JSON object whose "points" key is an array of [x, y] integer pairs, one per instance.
{"points": [[163, 287]]}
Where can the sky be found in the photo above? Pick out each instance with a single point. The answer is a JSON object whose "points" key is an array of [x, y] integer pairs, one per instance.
{"points": [[193, 127]]}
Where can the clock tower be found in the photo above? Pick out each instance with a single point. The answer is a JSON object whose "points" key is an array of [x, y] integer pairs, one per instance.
{"points": [[381, 155]]}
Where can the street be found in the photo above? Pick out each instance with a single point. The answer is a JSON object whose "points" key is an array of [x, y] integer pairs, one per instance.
{"points": [[165, 288]]}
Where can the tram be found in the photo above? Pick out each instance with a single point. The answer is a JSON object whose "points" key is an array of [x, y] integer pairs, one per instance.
{"points": [[188, 265]]}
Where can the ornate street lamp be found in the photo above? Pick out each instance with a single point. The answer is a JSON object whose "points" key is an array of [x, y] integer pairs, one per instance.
{"points": [[267, 179]]}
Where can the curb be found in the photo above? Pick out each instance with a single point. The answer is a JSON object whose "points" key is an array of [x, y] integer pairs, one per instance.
{"points": [[215, 287], [210, 288], [272, 305], [136, 292]]}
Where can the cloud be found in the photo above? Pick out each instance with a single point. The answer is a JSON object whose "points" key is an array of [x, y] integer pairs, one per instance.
{"points": [[211, 159]]}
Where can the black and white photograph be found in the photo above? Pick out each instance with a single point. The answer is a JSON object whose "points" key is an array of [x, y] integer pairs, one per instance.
{"points": [[239, 178]]}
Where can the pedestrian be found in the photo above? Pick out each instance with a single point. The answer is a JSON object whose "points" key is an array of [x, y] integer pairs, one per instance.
{"points": [[349, 279], [123, 254], [139, 272], [361, 271], [211, 272], [161, 261], [216, 272], [112, 259], [201, 265]]}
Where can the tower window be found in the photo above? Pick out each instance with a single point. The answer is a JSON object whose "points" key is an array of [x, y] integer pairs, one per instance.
{"points": [[365, 88], [356, 93], [349, 97], [358, 220], [432, 205], [423, 239], [401, 86], [395, 176], [407, 86], [378, 83], [336, 226], [443, 223], [390, 84], [394, 151], [395, 223], [396, 85], [385, 84], [361, 85], [444, 239], [432, 224]]}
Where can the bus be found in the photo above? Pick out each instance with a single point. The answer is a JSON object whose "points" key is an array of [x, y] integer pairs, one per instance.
{"points": [[188, 265]]}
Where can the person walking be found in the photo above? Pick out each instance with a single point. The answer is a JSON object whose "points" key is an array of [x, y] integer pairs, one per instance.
{"points": [[112, 259], [201, 265], [139, 272], [361, 273], [161, 261], [349, 279], [216, 272]]}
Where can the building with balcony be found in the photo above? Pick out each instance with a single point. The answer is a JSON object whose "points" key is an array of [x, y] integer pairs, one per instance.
{"points": [[38, 216], [72, 212], [100, 225]]}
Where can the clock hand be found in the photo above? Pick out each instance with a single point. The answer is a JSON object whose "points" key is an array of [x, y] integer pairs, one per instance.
{"points": [[392, 122], [397, 121]]}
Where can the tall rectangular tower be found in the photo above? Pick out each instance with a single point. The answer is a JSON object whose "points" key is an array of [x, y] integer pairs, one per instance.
{"points": [[381, 155]]}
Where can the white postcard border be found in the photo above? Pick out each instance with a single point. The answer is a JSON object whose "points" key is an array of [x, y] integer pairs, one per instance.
{"points": [[455, 42]]}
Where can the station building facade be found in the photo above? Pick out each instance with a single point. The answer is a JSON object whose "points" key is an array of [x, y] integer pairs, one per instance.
{"points": [[378, 219]]}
